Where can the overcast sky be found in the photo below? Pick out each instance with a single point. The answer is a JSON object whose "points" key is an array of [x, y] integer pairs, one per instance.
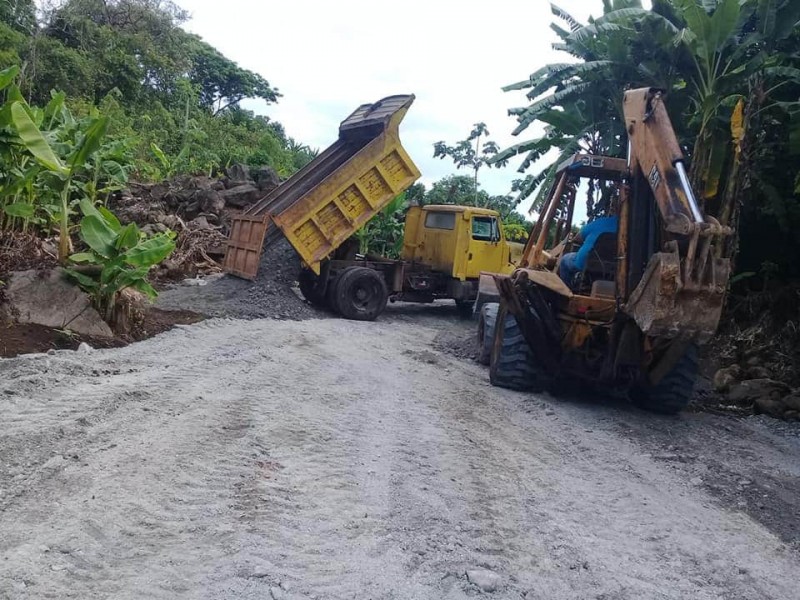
{"points": [[327, 58]]}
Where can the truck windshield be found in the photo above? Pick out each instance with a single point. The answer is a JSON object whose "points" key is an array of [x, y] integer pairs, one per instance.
{"points": [[485, 229]]}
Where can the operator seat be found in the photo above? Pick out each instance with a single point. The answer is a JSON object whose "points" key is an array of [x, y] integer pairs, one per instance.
{"points": [[601, 265]]}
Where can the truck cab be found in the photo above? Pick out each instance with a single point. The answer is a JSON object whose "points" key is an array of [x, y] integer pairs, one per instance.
{"points": [[460, 241]]}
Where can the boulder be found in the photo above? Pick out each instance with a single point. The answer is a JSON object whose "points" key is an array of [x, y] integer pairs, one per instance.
{"points": [[486, 580], [200, 223], [210, 201], [49, 298], [266, 179], [724, 378], [757, 373], [755, 392], [781, 407], [238, 173], [172, 222], [241, 196]]}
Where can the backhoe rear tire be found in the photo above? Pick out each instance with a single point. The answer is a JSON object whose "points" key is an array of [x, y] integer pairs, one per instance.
{"points": [[309, 287], [360, 294], [674, 392], [512, 364], [487, 317]]}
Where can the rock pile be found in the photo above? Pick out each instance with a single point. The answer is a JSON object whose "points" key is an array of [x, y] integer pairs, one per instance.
{"points": [[760, 353], [198, 209]]}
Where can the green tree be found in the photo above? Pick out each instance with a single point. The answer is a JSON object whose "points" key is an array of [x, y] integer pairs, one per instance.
{"points": [[222, 83], [18, 14], [469, 153], [730, 69]]}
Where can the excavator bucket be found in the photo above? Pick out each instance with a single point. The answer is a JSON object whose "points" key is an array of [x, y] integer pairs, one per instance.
{"points": [[670, 302]]}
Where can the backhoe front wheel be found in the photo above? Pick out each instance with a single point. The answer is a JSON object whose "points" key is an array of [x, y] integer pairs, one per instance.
{"points": [[360, 294], [512, 363], [674, 392]]}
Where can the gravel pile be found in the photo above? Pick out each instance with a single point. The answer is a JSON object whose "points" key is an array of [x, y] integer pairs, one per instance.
{"points": [[458, 343], [270, 295]]}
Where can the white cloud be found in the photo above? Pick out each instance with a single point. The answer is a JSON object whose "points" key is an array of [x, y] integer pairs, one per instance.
{"points": [[329, 57]]}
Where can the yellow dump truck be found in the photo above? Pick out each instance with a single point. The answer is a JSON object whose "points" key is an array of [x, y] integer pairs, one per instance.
{"points": [[320, 208]]}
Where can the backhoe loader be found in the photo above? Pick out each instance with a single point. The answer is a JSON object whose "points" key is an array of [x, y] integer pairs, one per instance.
{"points": [[632, 316]]}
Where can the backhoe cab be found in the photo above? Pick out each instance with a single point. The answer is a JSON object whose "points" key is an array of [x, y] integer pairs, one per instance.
{"points": [[646, 295]]}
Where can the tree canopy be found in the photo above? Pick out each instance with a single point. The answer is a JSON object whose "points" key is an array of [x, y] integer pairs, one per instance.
{"points": [[162, 85], [731, 72]]}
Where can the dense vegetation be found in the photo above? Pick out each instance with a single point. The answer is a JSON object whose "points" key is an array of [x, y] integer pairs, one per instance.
{"points": [[166, 92], [731, 70], [95, 92]]}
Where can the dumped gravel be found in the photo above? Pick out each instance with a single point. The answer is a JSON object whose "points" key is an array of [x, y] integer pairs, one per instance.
{"points": [[269, 295]]}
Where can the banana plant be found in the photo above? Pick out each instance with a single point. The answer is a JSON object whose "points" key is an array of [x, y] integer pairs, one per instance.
{"points": [[64, 172], [119, 257], [383, 235]]}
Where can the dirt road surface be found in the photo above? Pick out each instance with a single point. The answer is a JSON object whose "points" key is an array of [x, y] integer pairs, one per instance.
{"points": [[333, 459]]}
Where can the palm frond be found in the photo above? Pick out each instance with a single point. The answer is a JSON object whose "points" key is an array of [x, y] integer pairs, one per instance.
{"points": [[574, 24], [547, 103], [590, 31]]}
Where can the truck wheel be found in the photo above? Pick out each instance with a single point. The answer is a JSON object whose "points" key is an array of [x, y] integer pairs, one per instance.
{"points": [[512, 364], [361, 294], [333, 287], [670, 395], [309, 287], [465, 308], [486, 320]]}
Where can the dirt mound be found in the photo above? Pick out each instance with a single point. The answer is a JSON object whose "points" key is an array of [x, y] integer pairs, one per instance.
{"points": [[461, 344], [24, 251], [19, 338]]}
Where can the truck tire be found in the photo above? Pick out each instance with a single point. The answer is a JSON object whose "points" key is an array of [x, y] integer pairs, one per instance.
{"points": [[333, 286], [674, 392], [360, 294], [512, 364], [486, 321], [309, 287], [465, 308]]}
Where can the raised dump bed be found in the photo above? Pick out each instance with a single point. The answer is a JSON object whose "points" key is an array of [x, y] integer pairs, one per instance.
{"points": [[332, 197]]}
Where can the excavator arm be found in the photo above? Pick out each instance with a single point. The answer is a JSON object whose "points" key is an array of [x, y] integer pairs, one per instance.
{"points": [[680, 291]]}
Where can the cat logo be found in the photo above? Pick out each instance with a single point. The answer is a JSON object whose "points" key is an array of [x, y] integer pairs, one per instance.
{"points": [[654, 177]]}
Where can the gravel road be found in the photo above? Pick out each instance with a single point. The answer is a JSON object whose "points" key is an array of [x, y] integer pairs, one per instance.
{"points": [[335, 459]]}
